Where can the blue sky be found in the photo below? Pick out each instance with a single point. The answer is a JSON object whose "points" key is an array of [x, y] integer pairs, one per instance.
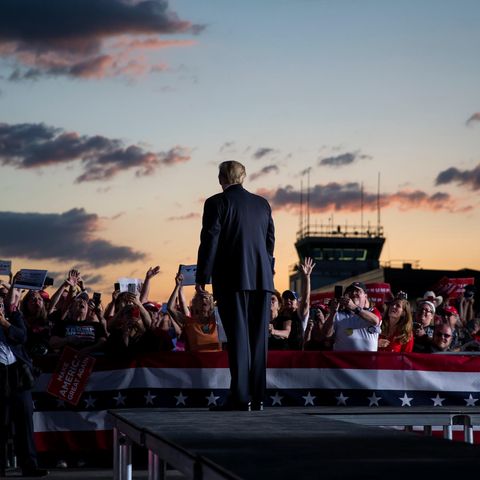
{"points": [[370, 86]]}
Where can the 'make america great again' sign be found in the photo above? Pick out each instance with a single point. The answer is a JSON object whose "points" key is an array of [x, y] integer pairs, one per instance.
{"points": [[71, 376]]}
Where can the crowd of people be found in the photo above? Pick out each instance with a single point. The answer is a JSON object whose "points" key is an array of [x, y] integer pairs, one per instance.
{"points": [[131, 323], [34, 323]]}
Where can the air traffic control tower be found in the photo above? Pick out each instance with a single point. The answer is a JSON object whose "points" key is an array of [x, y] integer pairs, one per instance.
{"points": [[339, 252]]}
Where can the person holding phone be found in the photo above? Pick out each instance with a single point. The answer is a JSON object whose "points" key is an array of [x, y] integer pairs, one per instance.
{"points": [[351, 323]]}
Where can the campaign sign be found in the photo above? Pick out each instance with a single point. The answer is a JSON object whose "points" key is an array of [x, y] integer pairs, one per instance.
{"points": [[5, 267], [452, 287], [71, 376], [30, 279], [379, 293]]}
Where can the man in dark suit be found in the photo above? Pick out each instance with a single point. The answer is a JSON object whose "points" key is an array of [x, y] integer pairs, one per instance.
{"points": [[16, 400], [236, 251]]}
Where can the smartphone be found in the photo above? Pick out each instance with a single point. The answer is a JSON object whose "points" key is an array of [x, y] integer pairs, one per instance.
{"points": [[164, 308], [132, 288], [48, 282], [116, 287], [338, 291], [97, 297]]}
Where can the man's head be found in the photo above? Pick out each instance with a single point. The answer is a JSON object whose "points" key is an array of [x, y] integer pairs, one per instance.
{"points": [[442, 336], [290, 300], [230, 173], [450, 314], [425, 313], [357, 291]]}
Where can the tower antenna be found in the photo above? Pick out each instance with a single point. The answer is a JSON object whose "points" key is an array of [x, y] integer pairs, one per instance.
{"points": [[308, 198], [301, 207], [378, 204], [361, 207]]}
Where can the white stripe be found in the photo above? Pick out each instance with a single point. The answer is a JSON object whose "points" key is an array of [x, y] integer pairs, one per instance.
{"points": [[59, 421], [282, 378], [151, 378], [403, 380]]}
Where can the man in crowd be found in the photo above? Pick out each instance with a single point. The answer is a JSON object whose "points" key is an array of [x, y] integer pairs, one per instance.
{"points": [[236, 251], [16, 381], [353, 325]]}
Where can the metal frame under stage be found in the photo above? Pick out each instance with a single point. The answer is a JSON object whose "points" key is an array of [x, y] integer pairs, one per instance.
{"points": [[290, 442]]}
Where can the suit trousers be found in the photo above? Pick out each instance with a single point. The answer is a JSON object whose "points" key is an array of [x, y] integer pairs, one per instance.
{"points": [[16, 408], [245, 316]]}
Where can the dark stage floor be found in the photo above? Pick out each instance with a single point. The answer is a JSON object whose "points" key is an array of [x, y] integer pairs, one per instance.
{"points": [[302, 443]]}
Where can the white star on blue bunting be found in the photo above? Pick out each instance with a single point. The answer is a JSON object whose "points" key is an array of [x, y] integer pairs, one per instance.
{"points": [[120, 399], [276, 399], [374, 400], [437, 401], [309, 399], [181, 398]]}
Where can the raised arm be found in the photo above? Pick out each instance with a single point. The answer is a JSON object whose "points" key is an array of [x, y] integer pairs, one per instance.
{"points": [[176, 315], [306, 269], [151, 272]]}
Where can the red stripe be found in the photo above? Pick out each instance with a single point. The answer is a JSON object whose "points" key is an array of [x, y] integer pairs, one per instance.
{"points": [[73, 441], [294, 359]]}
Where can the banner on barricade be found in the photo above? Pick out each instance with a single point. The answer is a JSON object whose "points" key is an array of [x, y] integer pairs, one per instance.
{"points": [[71, 376]]}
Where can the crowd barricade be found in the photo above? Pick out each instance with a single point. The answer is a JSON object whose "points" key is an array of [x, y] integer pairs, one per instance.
{"points": [[306, 379]]}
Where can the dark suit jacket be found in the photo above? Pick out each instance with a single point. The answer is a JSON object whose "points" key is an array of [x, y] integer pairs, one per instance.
{"points": [[236, 242], [16, 336]]}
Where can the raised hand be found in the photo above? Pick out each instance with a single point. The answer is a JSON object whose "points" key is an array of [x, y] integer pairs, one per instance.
{"points": [[152, 271], [307, 266]]}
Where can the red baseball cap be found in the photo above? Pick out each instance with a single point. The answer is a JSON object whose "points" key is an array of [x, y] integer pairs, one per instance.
{"points": [[450, 309]]}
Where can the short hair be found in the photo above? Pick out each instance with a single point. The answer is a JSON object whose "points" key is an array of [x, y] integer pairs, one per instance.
{"points": [[231, 172]]}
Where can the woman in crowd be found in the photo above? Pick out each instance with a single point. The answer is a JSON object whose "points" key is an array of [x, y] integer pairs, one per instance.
{"points": [[314, 334], [130, 328], [397, 328], [280, 326], [76, 330], [197, 322], [38, 326]]}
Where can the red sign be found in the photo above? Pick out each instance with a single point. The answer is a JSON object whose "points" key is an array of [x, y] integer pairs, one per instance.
{"points": [[452, 287], [71, 376], [378, 293]]}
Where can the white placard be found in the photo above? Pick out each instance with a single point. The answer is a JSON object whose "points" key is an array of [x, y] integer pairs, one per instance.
{"points": [[189, 272], [30, 279], [125, 281]]}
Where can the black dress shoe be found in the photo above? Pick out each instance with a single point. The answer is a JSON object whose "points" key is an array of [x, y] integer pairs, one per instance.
{"points": [[230, 407], [34, 472], [257, 406]]}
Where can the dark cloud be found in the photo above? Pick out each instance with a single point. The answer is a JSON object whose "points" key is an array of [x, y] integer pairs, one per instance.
{"points": [[474, 118], [469, 178], [37, 145], [262, 152], [346, 197], [68, 236], [341, 160], [86, 38], [264, 171], [227, 146], [188, 216]]}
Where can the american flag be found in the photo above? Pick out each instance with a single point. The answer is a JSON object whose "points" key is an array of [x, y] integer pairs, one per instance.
{"points": [[307, 379]]}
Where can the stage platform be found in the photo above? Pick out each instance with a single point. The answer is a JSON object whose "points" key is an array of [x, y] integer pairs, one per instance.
{"points": [[286, 443]]}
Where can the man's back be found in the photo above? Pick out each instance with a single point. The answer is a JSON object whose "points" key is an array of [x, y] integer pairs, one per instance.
{"points": [[243, 256]]}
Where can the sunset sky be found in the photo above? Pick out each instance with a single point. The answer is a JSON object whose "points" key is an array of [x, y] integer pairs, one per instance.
{"points": [[114, 116]]}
